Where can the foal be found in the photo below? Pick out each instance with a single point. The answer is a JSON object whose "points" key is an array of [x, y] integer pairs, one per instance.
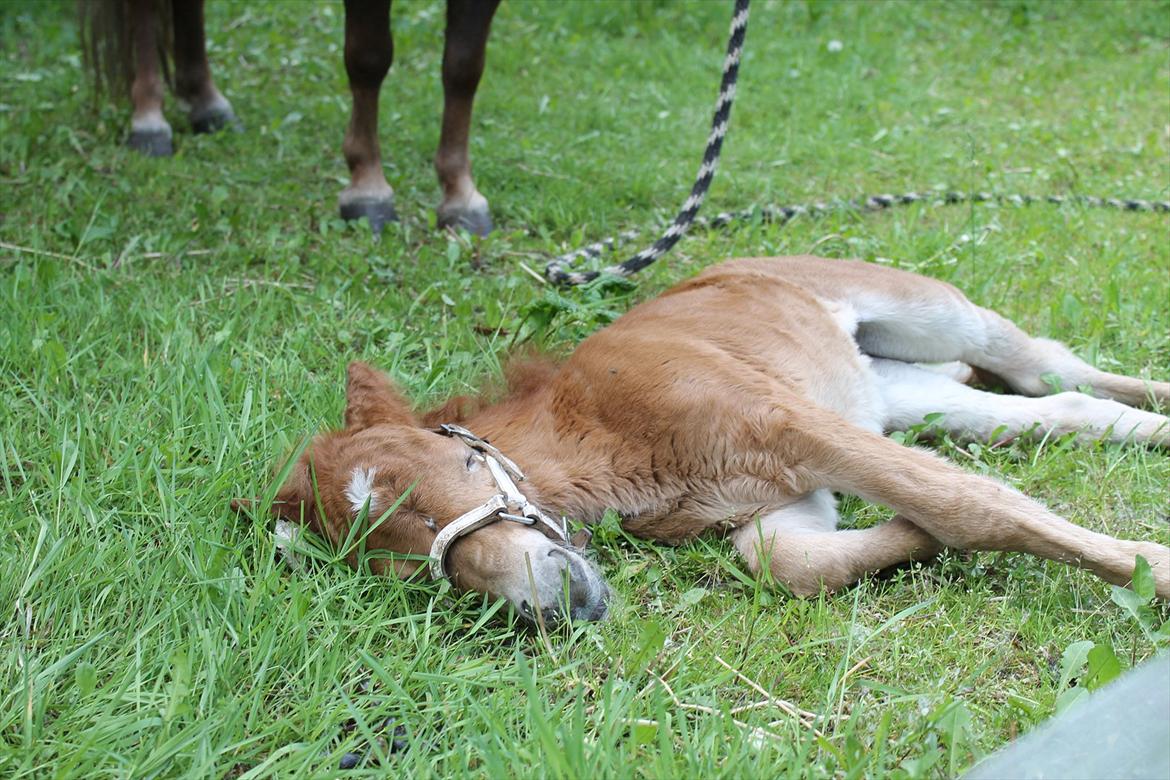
{"points": [[736, 402]]}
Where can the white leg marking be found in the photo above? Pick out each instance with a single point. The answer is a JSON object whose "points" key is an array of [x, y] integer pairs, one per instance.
{"points": [[150, 122]]}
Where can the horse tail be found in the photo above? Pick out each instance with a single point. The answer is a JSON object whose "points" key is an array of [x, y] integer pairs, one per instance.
{"points": [[107, 41]]}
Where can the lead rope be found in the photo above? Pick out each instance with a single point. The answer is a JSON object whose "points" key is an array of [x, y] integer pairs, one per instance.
{"points": [[773, 214], [557, 271]]}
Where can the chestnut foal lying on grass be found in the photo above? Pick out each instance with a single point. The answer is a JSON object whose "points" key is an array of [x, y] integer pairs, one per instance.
{"points": [[736, 402]]}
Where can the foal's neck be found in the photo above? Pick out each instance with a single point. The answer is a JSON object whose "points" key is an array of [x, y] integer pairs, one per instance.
{"points": [[572, 465]]}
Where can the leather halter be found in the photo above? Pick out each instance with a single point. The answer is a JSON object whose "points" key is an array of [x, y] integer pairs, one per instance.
{"points": [[509, 504]]}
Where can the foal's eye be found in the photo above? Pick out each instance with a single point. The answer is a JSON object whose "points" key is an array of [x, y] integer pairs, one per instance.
{"points": [[473, 461]]}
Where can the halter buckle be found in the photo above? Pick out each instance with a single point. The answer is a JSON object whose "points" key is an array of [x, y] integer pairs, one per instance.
{"points": [[509, 504]]}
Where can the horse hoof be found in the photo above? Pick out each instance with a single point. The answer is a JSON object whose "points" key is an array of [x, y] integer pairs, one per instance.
{"points": [[377, 212], [476, 221], [216, 119], [152, 143]]}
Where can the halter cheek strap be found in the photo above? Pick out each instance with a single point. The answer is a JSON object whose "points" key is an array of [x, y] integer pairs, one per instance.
{"points": [[509, 504]]}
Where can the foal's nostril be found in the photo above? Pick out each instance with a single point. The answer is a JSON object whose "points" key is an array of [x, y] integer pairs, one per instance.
{"points": [[565, 586], [593, 612]]}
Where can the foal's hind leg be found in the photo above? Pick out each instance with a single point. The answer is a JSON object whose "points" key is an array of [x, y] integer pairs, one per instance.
{"points": [[369, 52], [468, 25], [911, 392], [803, 550], [207, 108], [917, 319], [149, 131]]}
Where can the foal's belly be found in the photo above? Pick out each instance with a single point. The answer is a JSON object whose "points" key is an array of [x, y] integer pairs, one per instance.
{"points": [[826, 366]]}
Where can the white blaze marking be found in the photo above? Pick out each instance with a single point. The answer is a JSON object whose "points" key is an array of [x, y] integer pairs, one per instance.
{"points": [[361, 488]]}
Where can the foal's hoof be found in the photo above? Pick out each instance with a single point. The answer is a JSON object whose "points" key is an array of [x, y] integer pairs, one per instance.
{"points": [[215, 119], [377, 212], [152, 143], [473, 220]]}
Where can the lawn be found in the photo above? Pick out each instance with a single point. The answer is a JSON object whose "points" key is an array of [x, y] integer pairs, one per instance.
{"points": [[170, 328]]}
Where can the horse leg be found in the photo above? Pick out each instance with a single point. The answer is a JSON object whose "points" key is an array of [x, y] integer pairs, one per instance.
{"points": [[207, 108], [149, 131], [802, 547], [369, 52], [818, 449], [903, 316], [468, 25], [911, 392]]}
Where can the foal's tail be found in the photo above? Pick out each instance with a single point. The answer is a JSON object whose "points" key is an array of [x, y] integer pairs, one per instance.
{"points": [[107, 41]]}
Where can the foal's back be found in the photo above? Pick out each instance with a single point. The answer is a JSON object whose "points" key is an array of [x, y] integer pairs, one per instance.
{"points": [[748, 326]]}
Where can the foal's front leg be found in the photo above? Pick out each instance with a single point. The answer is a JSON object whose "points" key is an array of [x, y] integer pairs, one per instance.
{"points": [[468, 25], [819, 449], [803, 549]]}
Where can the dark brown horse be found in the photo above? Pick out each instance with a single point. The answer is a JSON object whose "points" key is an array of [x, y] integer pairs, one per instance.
{"points": [[128, 42]]}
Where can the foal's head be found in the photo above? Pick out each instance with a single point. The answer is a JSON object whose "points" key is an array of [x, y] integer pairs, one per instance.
{"points": [[383, 457]]}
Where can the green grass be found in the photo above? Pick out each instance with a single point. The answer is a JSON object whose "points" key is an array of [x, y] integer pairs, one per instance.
{"points": [[194, 318]]}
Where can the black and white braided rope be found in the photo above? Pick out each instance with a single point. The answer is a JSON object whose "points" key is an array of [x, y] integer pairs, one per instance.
{"points": [[557, 270], [782, 214], [774, 214]]}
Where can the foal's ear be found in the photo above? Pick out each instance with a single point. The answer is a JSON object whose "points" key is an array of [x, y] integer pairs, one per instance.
{"points": [[372, 399]]}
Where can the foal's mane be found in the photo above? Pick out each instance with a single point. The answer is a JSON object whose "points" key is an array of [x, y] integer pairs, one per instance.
{"points": [[524, 375]]}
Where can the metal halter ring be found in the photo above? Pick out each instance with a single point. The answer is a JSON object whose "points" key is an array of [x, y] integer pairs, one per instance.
{"points": [[509, 504]]}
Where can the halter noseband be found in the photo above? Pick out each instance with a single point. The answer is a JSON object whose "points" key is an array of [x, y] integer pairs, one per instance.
{"points": [[508, 504]]}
